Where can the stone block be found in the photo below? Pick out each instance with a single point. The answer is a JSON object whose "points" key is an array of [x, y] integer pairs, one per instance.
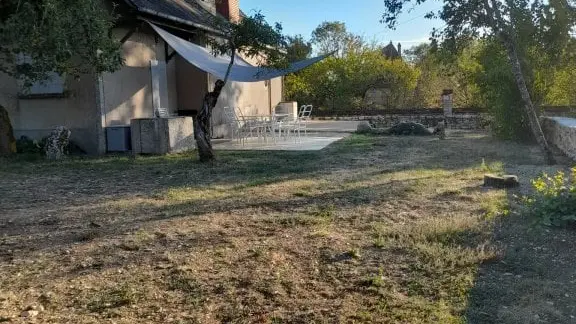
{"points": [[162, 135]]}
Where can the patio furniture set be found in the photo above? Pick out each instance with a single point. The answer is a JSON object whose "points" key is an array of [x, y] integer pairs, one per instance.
{"points": [[276, 126]]}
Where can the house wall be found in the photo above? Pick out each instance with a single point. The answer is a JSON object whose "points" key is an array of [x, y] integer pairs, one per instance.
{"points": [[191, 84], [128, 92], [251, 98], [114, 99], [36, 118]]}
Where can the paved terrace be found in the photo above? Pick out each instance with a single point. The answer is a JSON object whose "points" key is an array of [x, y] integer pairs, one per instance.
{"points": [[320, 135]]}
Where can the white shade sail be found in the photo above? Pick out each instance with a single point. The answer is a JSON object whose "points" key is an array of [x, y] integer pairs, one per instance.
{"points": [[241, 71]]}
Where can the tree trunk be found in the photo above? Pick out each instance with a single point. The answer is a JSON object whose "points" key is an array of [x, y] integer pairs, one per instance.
{"points": [[7, 140], [505, 33], [202, 122], [528, 105]]}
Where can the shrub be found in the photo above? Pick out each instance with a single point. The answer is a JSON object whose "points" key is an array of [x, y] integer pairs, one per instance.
{"points": [[26, 145], [554, 200]]}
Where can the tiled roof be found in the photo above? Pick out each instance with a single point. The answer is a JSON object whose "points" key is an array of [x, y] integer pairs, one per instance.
{"points": [[189, 11], [390, 51]]}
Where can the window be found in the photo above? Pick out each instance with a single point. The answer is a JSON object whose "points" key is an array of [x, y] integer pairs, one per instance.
{"points": [[53, 85]]}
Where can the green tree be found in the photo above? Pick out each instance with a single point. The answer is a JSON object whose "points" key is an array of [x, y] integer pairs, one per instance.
{"points": [[69, 37], [342, 82], [500, 20], [333, 37], [252, 37], [439, 71], [297, 48]]}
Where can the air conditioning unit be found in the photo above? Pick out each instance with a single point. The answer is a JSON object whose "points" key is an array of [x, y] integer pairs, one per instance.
{"points": [[118, 139]]}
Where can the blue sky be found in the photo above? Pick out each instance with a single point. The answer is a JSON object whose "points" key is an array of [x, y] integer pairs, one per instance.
{"points": [[362, 17]]}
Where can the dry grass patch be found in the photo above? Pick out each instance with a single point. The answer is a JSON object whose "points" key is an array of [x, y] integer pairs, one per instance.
{"points": [[360, 232]]}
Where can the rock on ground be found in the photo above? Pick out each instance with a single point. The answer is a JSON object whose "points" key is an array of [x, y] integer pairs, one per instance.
{"points": [[409, 128], [57, 142]]}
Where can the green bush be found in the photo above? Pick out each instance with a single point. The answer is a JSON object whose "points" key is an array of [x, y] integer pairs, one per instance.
{"points": [[25, 145], [554, 200]]}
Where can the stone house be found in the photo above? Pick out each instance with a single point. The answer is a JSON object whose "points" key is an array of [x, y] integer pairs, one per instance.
{"points": [[153, 75], [391, 52], [379, 96]]}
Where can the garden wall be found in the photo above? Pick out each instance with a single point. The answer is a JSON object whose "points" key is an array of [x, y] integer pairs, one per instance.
{"points": [[462, 118], [561, 132], [469, 121]]}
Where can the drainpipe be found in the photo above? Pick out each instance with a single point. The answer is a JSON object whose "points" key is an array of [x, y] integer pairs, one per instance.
{"points": [[101, 116]]}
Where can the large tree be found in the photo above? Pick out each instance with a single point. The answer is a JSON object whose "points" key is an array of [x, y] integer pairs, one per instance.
{"points": [[68, 37], [252, 37], [499, 19], [333, 37], [297, 48]]}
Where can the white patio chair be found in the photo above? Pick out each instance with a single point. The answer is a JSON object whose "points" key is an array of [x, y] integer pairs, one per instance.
{"points": [[162, 113], [280, 125], [303, 117], [235, 124], [252, 126], [301, 122]]}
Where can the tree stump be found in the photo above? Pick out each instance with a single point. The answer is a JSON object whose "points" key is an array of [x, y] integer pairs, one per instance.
{"points": [[440, 130], [502, 182], [7, 140]]}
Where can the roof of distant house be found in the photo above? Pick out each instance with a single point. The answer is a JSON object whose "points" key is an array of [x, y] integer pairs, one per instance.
{"points": [[390, 51], [189, 12]]}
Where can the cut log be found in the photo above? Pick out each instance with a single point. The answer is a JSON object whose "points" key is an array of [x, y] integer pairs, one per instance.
{"points": [[503, 182]]}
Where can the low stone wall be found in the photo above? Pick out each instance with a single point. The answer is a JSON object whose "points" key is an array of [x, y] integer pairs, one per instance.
{"points": [[466, 121], [561, 132]]}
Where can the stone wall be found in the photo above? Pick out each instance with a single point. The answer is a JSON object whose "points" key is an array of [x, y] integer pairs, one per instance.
{"points": [[561, 132], [467, 121]]}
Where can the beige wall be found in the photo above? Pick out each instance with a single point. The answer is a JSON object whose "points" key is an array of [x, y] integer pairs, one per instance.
{"points": [[192, 84], [128, 92], [36, 118], [252, 98]]}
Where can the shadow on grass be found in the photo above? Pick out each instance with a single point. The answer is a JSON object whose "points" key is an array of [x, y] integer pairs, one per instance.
{"points": [[533, 282], [51, 204]]}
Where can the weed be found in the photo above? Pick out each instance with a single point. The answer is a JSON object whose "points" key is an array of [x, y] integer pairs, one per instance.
{"points": [[113, 298], [324, 212], [182, 281], [554, 200], [379, 241], [354, 253]]}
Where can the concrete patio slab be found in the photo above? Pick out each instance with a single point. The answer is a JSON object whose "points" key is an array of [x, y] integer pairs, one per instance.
{"points": [[333, 126], [312, 142]]}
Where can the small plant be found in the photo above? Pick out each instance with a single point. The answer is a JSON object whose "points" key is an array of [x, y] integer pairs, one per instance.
{"points": [[326, 212], [377, 281], [379, 242], [113, 298], [183, 282], [354, 253], [25, 145], [554, 200]]}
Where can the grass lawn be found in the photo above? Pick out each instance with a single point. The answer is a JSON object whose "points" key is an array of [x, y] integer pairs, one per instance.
{"points": [[369, 230]]}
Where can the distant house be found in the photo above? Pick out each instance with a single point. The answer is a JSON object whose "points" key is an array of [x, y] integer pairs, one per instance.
{"points": [[379, 96], [153, 77], [391, 52]]}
